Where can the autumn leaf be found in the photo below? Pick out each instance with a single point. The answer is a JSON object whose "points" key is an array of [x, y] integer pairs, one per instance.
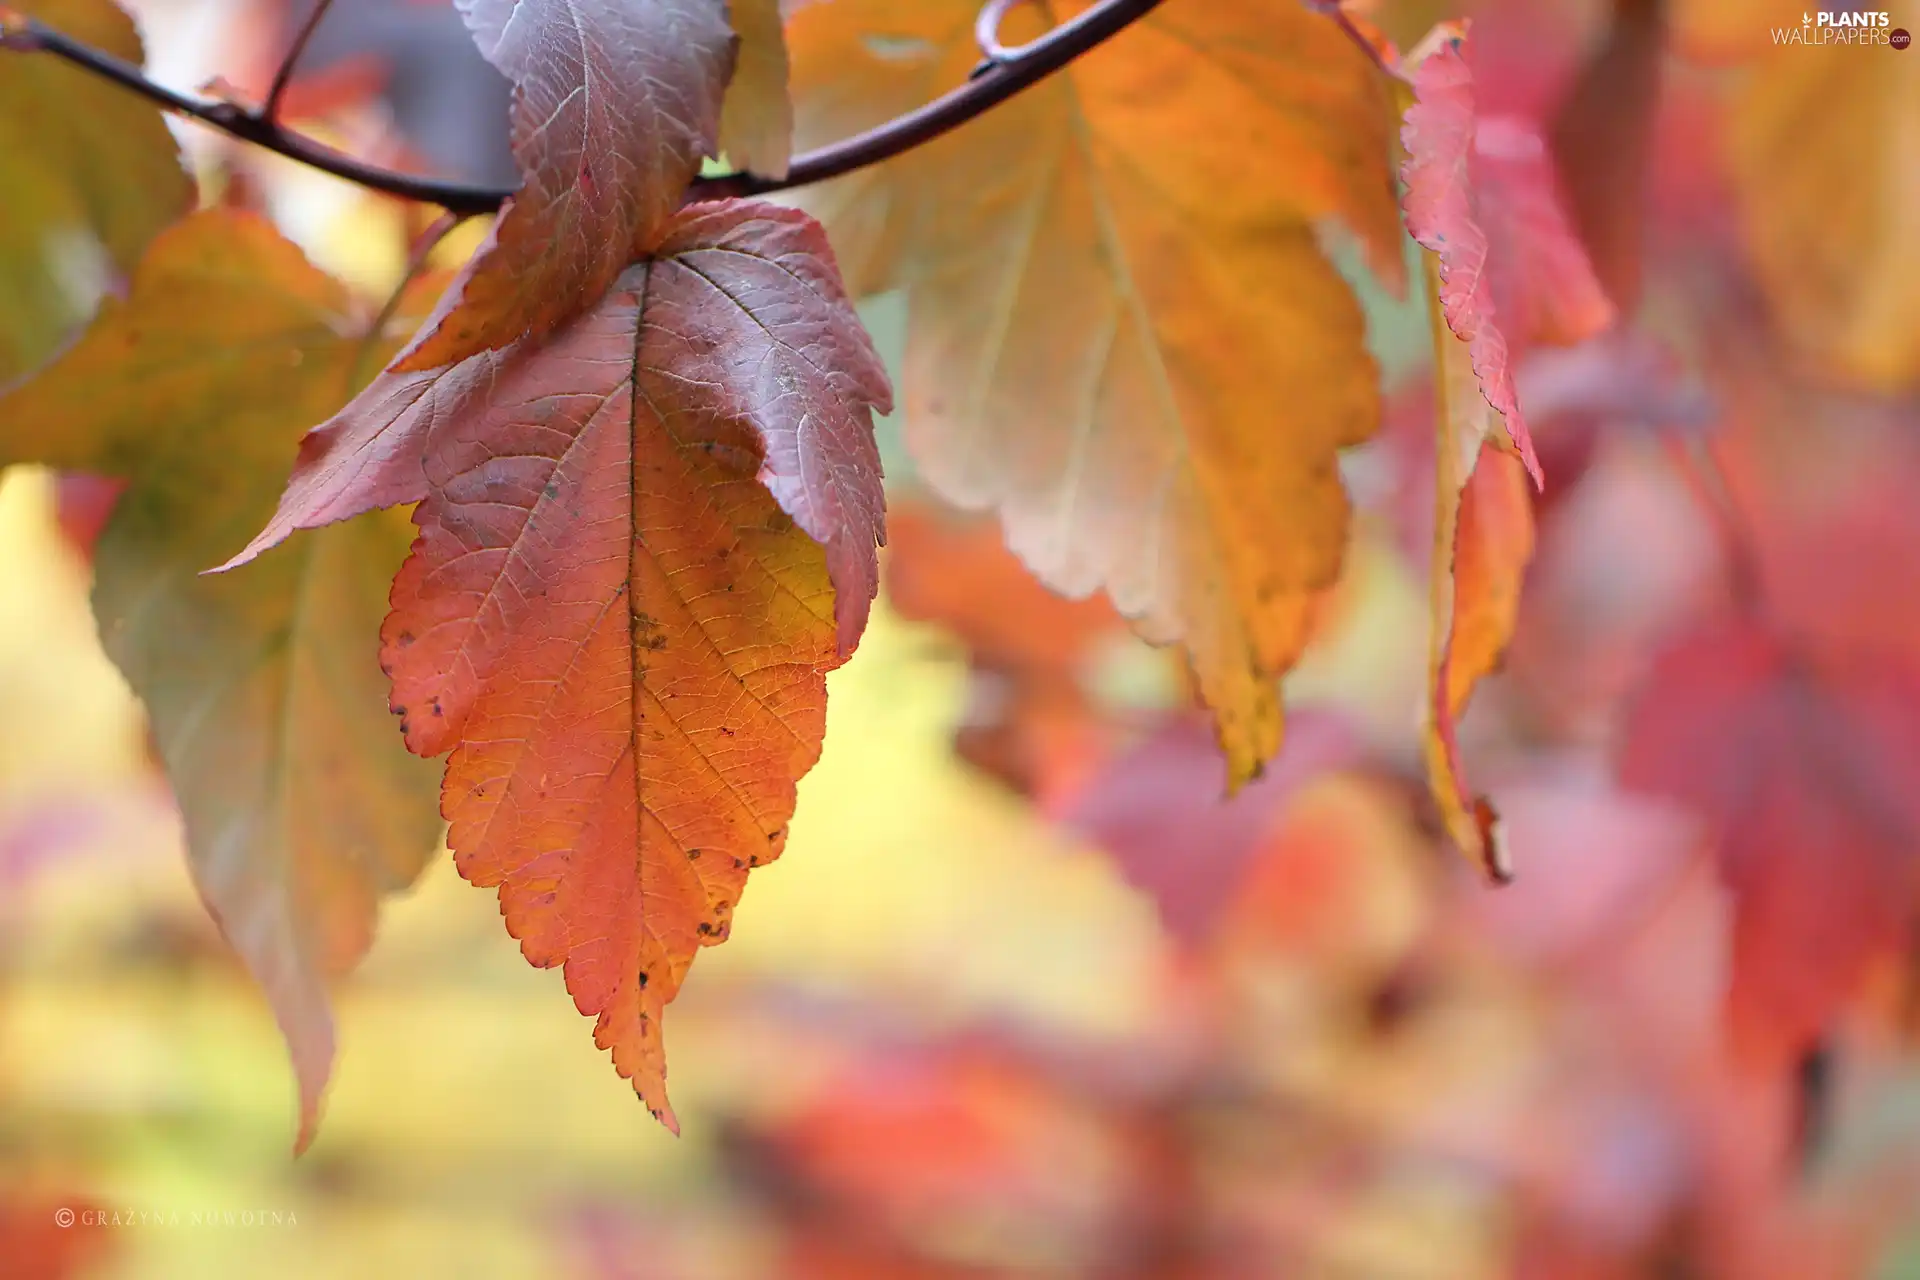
{"points": [[756, 120], [615, 102], [90, 175], [1439, 134], [1482, 543], [1603, 139], [1123, 335], [1481, 199], [1030, 720], [1157, 811], [1542, 282], [1830, 228], [37, 1237], [643, 543], [1804, 765], [300, 809]]}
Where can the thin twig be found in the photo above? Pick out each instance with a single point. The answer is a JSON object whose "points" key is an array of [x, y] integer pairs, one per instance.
{"points": [[26, 34], [1034, 62], [417, 256], [1379, 52], [270, 109], [991, 87]]}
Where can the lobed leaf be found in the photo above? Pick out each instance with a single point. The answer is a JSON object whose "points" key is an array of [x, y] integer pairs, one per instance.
{"points": [[90, 175], [1123, 334], [643, 543], [300, 810], [615, 102]]}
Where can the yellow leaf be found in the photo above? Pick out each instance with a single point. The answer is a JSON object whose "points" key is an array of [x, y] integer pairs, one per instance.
{"points": [[88, 174], [756, 117], [301, 805], [1822, 147], [1123, 334]]}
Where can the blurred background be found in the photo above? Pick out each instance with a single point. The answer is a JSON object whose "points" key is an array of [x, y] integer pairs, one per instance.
{"points": [[1021, 998]]}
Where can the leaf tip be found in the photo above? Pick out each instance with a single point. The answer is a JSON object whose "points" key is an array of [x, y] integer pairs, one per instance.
{"points": [[665, 1115], [1496, 857]]}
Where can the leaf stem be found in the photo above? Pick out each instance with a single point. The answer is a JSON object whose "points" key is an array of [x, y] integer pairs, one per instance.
{"points": [[270, 109], [1378, 49], [998, 81]]}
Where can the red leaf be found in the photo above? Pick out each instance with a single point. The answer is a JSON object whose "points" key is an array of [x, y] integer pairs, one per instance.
{"points": [[1808, 770], [1603, 137], [615, 102], [1540, 279], [51, 1237], [1159, 811], [617, 614], [1442, 214], [82, 505]]}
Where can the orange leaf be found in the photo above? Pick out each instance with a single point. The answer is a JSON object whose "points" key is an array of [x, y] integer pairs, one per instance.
{"points": [[643, 544], [614, 105], [1483, 539], [1029, 720], [1123, 335]]}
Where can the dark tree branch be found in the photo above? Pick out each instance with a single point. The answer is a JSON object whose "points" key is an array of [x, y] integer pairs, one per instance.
{"points": [[998, 79], [25, 34], [270, 109]]}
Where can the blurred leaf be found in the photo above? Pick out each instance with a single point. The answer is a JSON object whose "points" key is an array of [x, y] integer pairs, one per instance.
{"points": [[1806, 769], [301, 809], [1158, 811], [1031, 722], [1831, 228], [1603, 139], [90, 175], [40, 1240]]}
